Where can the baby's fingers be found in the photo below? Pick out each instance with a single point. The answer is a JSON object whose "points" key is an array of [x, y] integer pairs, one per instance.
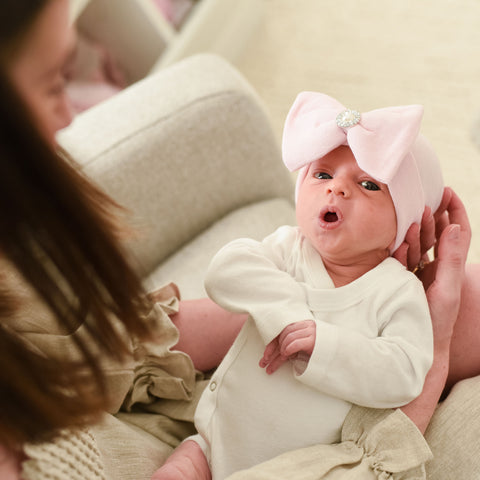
{"points": [[271, 356], [275, 364], [303, 344], [271, 350], [305, 330]]}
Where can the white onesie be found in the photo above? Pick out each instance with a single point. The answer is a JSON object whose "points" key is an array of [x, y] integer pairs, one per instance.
{"points": [[373, 347]]}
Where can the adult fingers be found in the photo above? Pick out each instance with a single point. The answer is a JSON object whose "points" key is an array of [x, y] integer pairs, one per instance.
{"points": [[401, 253], [427, 232], [413, 252], [444, 293], [458, 214], [452, 255], [454, 212], [446, 197]]}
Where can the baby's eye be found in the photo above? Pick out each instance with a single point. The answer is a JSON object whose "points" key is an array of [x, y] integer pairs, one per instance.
{"points": [[369, 185], [322, 176]]}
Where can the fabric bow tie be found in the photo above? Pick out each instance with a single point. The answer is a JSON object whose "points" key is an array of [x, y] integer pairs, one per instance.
{"points": [[380, 140]]}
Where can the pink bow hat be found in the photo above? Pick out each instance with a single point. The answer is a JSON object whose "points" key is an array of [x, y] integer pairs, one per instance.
{"points": [[386, 143]]}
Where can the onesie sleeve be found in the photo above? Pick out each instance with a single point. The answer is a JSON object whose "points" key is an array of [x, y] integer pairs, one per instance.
{"points": [[386, 371], [248, 276]]}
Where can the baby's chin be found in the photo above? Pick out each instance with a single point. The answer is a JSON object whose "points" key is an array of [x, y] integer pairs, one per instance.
{"points": [[341, 252]]}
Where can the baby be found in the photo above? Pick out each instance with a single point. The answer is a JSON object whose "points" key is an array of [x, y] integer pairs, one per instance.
{"points": [[333, 318]]}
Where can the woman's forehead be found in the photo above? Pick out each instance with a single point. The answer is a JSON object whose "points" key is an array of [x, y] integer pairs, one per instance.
{"points": [[49, 42]]}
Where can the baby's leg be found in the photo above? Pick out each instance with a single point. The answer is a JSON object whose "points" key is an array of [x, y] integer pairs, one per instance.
{"points": [[187, 462]]}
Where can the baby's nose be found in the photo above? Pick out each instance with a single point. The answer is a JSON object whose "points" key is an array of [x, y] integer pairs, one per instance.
{"points": [[338, 187]]}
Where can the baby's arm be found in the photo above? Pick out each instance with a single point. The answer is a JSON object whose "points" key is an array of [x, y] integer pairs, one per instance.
{"points": [[247, 276], [187, 462], [386, 371]]}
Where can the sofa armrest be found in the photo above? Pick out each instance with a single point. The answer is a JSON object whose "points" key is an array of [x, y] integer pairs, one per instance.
{"points": [[180, 149]]}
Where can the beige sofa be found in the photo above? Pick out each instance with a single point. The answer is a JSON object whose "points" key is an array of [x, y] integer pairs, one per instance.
{"points": [[191, 154]]}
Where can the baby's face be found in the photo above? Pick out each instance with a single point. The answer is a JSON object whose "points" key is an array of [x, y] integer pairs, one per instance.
{"points": [[347, 216]]}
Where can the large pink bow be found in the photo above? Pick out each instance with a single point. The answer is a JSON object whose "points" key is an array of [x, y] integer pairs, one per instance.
{"points": [[379, 141]]}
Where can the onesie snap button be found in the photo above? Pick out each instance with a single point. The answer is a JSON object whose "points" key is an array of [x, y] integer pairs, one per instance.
{"points": [[213, 386]]}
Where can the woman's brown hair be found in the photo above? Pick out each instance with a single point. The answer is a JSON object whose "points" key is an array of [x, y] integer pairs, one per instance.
{"points": [[56, 229]]}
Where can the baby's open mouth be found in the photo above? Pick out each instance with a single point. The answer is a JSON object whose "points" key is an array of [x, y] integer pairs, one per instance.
{"points": [[330, 216]]}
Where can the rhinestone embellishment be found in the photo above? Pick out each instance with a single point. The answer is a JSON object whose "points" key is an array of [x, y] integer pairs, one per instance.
{"points": [[348, 118]]}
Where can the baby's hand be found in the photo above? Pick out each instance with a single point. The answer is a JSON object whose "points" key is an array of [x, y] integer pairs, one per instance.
{"points": [[272, 358], [297, 338]]}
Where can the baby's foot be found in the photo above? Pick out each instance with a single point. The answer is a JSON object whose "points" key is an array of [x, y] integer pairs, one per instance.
{"points": [[186, 463], [185, 470]]}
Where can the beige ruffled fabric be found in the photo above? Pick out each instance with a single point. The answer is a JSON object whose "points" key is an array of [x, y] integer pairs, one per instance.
{"points": [[165, 388], [160, 374], [152, 372], [35, 324], [154, 393], [375, 445]]}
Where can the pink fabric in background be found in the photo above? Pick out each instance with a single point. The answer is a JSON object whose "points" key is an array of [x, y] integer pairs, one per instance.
{"points": [[175, 11], [95, 75]]}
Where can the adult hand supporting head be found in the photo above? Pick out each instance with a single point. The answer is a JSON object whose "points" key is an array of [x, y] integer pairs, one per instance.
{"points": [[443, 279]]}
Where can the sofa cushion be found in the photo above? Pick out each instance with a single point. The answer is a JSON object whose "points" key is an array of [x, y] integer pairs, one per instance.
{"points": [[180, 150], [187, 266]]}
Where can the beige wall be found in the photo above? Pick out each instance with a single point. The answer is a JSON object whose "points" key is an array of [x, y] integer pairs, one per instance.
{"points": [[370, 54]]}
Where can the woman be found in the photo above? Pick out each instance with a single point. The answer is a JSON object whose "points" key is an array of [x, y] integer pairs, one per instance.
{"points": [[57, 237], [46, 202], [61, 247]]}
